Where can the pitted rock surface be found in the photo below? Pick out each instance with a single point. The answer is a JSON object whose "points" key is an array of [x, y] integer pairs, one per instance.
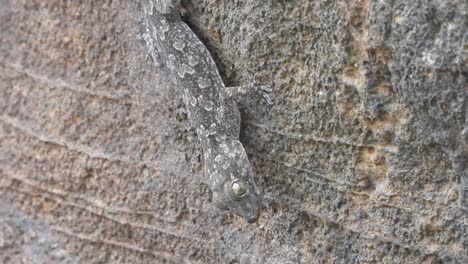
{"points": [[361, 158]]}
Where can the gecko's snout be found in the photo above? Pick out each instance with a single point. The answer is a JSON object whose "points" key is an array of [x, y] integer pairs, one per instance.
{"points": [[253, 218], [250, 213]]}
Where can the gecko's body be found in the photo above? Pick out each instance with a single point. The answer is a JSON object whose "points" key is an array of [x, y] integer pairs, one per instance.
{"points": [[211, 107]]}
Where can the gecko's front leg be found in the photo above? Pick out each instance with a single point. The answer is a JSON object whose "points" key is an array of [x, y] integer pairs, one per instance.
{"points": [[250, 92]]}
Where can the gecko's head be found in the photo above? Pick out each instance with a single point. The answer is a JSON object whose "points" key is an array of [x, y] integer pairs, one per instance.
{"points": [[241, 199], [232, 181]]}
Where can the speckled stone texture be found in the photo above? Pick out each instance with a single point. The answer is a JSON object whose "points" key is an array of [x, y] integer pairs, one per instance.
{"points": [[361, 159]]}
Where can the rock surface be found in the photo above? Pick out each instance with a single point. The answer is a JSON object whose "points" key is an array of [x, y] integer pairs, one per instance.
{"points": [[361, 159]]}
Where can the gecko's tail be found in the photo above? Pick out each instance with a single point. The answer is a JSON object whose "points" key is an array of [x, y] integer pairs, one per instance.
{"points": [[168, 7]]}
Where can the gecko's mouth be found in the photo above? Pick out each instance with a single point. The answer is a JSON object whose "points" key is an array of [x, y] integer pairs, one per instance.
{"points": [[253, 218]]}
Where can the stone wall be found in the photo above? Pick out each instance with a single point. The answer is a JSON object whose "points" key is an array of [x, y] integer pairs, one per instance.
{"points": [[361, 159]]}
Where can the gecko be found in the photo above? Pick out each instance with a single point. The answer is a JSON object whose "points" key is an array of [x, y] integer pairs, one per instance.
{"points": [[212, 108]]}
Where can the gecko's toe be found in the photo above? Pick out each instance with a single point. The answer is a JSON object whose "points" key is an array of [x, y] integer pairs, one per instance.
{"points": [[268, 99], [267, 88]]}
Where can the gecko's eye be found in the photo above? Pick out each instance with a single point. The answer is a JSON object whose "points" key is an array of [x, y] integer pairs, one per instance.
{"points": [[238, 188]]}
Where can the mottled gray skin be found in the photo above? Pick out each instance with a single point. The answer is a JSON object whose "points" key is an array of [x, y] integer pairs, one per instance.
{"points": [[211, 107]]}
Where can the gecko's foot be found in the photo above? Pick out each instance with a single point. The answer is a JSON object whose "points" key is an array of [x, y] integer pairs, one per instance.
{"points": [[265, 91]]}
